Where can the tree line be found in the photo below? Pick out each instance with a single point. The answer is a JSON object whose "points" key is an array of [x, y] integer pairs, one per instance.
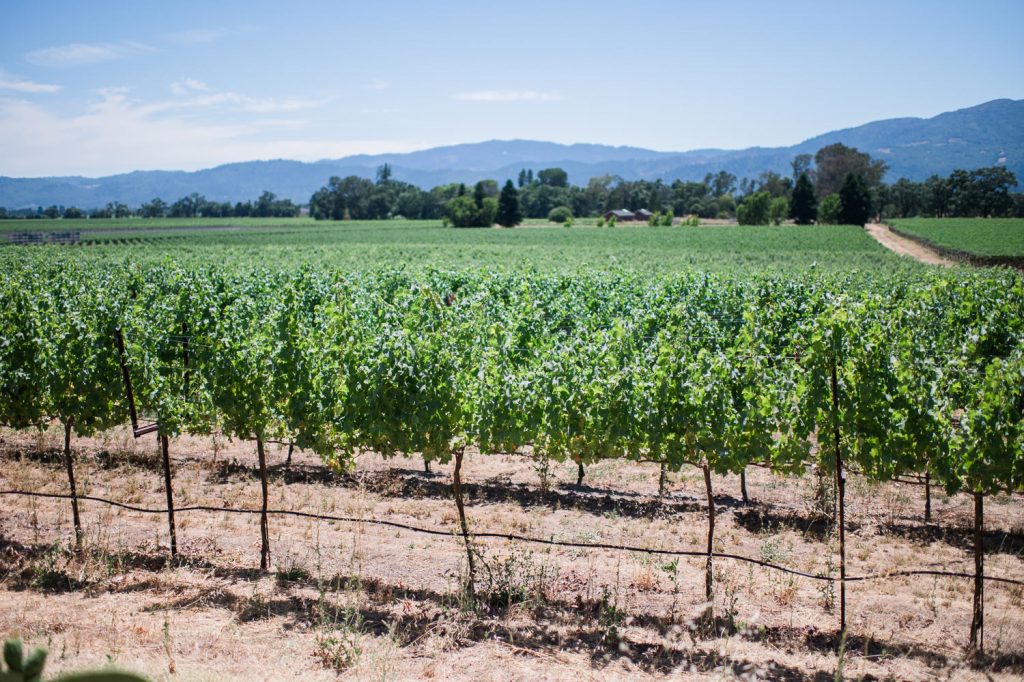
{"points": [[195, 205], [838, 184]]}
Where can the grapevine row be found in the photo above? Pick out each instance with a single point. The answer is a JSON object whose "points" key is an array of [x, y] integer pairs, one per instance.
{"points": [[913, 375]]}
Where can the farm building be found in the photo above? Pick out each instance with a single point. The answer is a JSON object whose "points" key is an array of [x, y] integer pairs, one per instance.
{"points": [[621, 215], [643, 214]]}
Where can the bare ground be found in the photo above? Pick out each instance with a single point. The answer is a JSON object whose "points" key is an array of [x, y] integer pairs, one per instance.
{"points": [[367, 602], [906, 247]]}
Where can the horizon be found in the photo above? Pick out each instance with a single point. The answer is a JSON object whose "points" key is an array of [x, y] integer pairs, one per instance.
{"points": [[110, 88]]}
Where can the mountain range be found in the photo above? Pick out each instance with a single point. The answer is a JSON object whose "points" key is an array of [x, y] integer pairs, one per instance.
{"points": [[915, 148]]}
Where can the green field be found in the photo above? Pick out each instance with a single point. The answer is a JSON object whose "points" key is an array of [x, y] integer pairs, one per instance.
{"points": [[359, 246], [986, 237]]}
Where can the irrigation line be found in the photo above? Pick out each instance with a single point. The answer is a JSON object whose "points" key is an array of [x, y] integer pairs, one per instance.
{"points": [[521, 538]]}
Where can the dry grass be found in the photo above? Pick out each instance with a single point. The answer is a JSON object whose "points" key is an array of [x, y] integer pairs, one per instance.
{"points": [[369, 602]]}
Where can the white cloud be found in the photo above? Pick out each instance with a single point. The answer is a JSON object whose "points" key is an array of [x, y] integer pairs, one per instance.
{"points": [[187, 85], [377, 84], [77, 54], [118, 134], [11, 82], [202, 96], [509, 96]]}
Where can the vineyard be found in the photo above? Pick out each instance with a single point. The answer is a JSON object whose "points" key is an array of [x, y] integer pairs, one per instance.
{"points": [[980, 241], [364, 246], [908, 376]]}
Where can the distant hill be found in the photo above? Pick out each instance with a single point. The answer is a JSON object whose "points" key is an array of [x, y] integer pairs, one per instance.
{"points": [[914, 148]]}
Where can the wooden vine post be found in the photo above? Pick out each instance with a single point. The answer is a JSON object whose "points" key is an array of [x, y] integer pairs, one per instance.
{"points": [[927, 496], [138, 432], [264, 527], [743, 486], [709, 576], [457, 490], [840, 497], [165, 453], [77, 520], [977, 643]]}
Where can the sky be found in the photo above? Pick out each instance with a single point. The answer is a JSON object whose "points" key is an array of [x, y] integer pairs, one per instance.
{"points": [[102, 87]]}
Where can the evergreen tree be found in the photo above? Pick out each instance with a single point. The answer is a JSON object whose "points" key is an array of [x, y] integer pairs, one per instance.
{"points": [[509, 212], [854, 200], [804, 207]]}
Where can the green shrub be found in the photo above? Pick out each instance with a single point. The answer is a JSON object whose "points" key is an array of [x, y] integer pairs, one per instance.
{"points": [[465, 212], [779, 210], [559, 214], [828, 210], [755, 209], [660, 219]]}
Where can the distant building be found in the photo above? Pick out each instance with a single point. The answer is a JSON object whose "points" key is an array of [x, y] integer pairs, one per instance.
{"points": [[643, 214], [621, 215]]}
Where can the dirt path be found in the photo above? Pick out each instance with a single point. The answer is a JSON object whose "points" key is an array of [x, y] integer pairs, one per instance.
{"points": [[905, 247]]}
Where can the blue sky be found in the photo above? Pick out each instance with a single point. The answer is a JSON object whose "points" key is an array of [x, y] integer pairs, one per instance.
{"points": [[98, 87]]}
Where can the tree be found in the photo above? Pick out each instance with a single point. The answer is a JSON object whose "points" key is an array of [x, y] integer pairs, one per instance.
{"points": [[1018, 206], [828, 212], [778, 210], [118, 210], [463, 211], [72, 213], [384, 174], [854, 200], [553, 177], [721, 184], [187, 207], [982, 192], [905, 199], [725, 206], [836, 161], [938, 196], [804, 208], [801, 164], [510, 213], [156, 208], [773, 183], [755, 209]]}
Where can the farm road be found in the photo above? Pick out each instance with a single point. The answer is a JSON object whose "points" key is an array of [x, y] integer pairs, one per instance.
{"points": [[905, 247]]}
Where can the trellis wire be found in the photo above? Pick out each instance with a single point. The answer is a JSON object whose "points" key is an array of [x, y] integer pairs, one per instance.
{"points": [[514, 537]]}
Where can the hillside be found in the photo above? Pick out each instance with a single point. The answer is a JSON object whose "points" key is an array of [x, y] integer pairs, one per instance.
{"points": [[913, 147]]}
